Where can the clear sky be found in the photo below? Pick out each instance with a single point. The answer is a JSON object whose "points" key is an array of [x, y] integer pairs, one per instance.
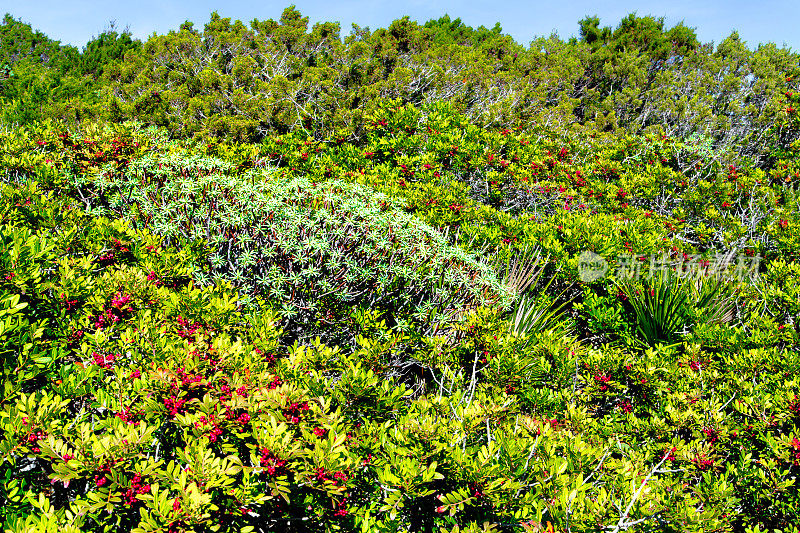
{"points": [[76, 21]]}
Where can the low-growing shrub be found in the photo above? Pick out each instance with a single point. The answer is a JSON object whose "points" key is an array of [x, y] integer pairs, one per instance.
{"points": [[142, 392], [317, 250]]}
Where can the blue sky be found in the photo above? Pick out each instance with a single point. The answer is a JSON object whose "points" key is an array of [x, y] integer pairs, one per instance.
{"points": [[76, 21]]}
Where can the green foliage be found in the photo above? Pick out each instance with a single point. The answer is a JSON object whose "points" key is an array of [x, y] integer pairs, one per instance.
{"points": [[238, 81], [153, 403], [20, 42], [349, 324], [664, 305], [315, 250], [106, 50]]}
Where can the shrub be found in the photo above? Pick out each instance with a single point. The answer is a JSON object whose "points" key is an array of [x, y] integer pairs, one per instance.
{"points": [[186, 409], [665, 305], [314, 249]]}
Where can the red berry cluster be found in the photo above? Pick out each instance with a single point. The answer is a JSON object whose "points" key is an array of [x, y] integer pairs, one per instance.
{"points": [[338, 477], [121, 301], [670, 453], [273, 466], [33, 438], [106, 259], [341, 509], [69, 305], [795, 446], [174, 405], [712, 434], [137, 487], [120, 308], [703, 463], [103, 361], [209, 427], [128, 415], [476, 490], [184, 379], [603, 379], [794, 406], [101, 478], [187, 330], [294, 413]]}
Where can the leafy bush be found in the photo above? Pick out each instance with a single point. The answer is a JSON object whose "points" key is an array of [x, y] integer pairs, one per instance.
{"points": [[136, 398], [315, 249]]}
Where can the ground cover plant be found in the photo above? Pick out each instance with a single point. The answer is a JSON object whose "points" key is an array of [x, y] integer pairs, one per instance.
{"points": [[389, 286]]}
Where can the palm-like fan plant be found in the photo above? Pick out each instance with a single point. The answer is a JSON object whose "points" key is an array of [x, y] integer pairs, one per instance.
{"points": [[665, 305], [533, 313]]}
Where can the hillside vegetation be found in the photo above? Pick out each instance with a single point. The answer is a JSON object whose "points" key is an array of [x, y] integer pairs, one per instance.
{"points": [[258, 277]]}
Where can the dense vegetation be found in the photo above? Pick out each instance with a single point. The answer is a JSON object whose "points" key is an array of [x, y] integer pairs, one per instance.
{"points": [[418, 279]]}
